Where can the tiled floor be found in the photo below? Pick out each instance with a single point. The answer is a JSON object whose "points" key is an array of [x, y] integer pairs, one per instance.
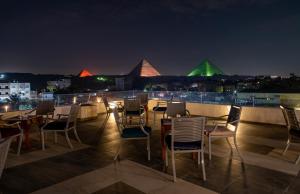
{"points": [[224, 174]]}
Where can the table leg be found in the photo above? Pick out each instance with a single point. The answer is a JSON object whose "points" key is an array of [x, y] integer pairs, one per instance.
{"points": [[162, 140], [26, 129], [146, 110]]}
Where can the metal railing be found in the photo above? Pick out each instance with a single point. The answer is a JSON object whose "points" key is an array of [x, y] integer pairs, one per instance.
{"points": [[244, 99]]}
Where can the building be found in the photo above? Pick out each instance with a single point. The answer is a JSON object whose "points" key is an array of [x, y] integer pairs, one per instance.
{"points": [[14, 88], [59, 84]]}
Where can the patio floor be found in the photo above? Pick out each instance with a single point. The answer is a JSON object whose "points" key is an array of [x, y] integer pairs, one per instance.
{"points": [[58, 168]]}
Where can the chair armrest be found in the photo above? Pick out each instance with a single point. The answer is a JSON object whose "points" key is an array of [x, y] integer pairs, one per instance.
{"points": [[188, 113], [236, 121], [222, 116], [11, 124], [29, 112], [144, 131], [220, 123], [62, 115]]}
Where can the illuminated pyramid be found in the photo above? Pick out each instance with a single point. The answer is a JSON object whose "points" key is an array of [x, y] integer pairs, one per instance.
{"points": [[85, 73], [206, 68], [144, 69]]}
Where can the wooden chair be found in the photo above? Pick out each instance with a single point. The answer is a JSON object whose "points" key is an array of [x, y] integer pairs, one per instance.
{"points": [[132, 132], [293, 127], [175, 109], [12, 130], [133, 110], [4, 148], [225, 130], [63, 125], [187, 136]]}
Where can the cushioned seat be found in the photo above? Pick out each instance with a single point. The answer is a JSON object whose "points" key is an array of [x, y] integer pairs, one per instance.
{"points": [[9, 131], [295, 132], [59, 124], [193, 145], [134, 112], [161, 109], [135, 132], [221, 130]]}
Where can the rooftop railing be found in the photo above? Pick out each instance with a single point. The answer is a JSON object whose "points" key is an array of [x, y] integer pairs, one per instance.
{"points": [[244, 99]]}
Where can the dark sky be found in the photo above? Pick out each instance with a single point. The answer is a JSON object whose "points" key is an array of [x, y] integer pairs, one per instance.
{"points": [[249, 37]]}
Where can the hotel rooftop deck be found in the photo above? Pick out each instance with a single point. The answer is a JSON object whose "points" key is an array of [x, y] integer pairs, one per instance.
{"points": [[89, 167]]}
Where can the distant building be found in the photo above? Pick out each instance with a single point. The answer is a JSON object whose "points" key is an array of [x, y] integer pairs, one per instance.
{"points": [[120, 83], [14, 88], [46, 95], [59, 84], [206, 68]]}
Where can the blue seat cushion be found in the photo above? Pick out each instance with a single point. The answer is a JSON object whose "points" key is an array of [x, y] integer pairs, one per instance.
{"points": [[9, 131], [134, 112], [295, 134], [134, 132], [193, 145], [57, 125], [161, 109]]}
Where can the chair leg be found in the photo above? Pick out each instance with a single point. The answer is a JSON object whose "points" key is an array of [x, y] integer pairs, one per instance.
{"points": [[76, 135], [173, 166], [298, 160], [287, 147], [55, 137], [68, 140], [43, 139], [20, 144], [166, 157], [154, 118], [236, 147], [118, 152], [229, 143], [198, 157], [209, 146], [203, 165], [148, 148]]}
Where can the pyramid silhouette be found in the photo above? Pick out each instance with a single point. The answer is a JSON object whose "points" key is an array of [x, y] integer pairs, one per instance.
{"points": [[84, 73], [144, 69], [206, 68]]}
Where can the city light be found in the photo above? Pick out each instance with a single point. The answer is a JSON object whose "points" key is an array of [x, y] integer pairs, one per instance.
{"points": [[2, 76], [74, 100], [6, 108]]}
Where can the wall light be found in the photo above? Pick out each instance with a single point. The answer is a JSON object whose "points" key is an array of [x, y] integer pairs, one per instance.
{"points": [[98, 99], [74, 100], [6, 108]]}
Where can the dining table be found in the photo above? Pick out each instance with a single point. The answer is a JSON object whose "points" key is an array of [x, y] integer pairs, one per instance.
{"points": [[26, 123]]}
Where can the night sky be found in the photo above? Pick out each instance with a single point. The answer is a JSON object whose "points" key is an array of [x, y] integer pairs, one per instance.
{"points": [[247, 37]]}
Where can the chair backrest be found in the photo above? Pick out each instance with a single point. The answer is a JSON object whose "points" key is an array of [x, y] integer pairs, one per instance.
{"points": [[132, 104], [290, 117], [188, 129], [176, 108], [45, 108], [234, 115], [105, 101], [4, 148], [72, 117], [143, 97]]}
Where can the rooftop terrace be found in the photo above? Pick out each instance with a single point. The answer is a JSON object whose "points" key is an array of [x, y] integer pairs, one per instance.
{"points": [[89, 167]]}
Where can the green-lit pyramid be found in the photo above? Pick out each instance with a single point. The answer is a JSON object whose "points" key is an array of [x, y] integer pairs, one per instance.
{"points": [[206, 68]]}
